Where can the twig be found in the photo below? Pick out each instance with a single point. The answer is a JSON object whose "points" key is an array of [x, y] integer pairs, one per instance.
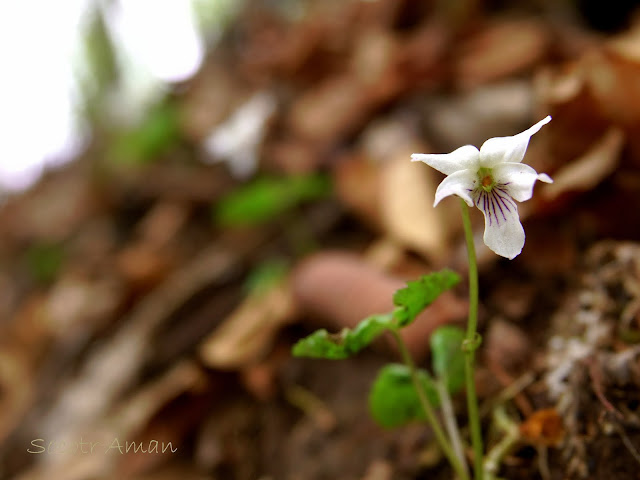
{"points": [[450, 422], [494, 457]]}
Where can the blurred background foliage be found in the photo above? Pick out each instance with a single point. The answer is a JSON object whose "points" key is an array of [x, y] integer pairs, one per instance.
{"points": [[221, 177]]}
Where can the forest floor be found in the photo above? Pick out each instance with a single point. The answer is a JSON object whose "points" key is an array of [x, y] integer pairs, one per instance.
{"points": [[150, 296]]}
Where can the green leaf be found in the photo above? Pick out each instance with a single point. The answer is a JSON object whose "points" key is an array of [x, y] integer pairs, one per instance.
{"points": [[158, 132], [213, 17], [447, 357], [322, 344], [266, 198], [44, 261], [96, 71], [419, 294], [393, 400], [266, 275]]}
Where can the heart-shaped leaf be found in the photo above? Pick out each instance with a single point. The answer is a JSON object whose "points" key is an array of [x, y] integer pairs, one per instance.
{"points": [[393, 400], [447, 357]]}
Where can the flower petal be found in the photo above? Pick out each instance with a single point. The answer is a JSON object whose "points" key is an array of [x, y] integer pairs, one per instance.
{"points": [[508, 149], [543, 177], [461, 183], [448, 163], [518, 179], [503, 232]]}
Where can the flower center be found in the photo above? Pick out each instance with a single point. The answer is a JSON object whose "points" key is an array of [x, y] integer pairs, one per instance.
{"points": [[486, 179]]}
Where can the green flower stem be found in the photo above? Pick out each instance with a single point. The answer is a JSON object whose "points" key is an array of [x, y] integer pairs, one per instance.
{"points": [[470, 345], [428, 410]]}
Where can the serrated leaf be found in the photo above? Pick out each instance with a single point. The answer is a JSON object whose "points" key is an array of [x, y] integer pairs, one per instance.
{"points": [[266, 198], [393, 400], [419, 294], [447, 357], [322, 344]]}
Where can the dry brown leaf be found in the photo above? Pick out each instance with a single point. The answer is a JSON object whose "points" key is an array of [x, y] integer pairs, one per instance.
{"points": [[589, 170], [612, 73], [17, 383], [356, 180], [211, 96], [163, 222], [628, 44], [330, 110], [407, 191], [142, 266], [501, 49], [543, 427], [474, 116], [293, 156], [373, 53], [81, 304], [420, 59], [588, 95], [613, 79], [54, 210], [577, 118], [250, 330], [379, 470]]}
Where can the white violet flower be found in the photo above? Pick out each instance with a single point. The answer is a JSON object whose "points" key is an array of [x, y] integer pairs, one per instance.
{"points": [[491, 179]]}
